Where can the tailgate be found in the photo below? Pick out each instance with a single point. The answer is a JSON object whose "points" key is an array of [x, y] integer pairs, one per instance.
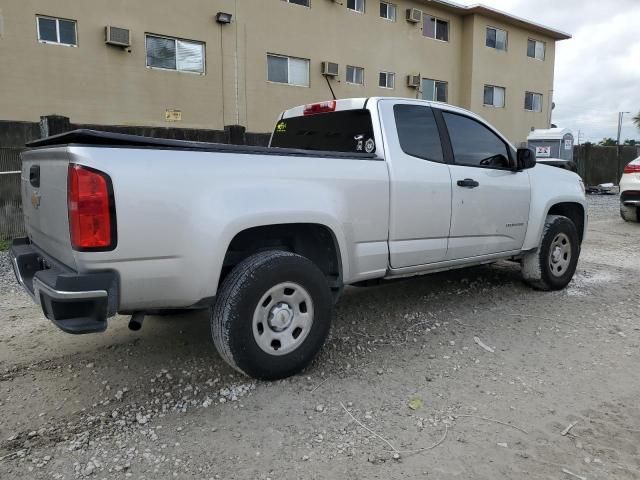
{"points": [[44, 201]]}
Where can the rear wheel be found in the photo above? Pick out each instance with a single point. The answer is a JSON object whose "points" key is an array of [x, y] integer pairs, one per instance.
{"points": [[553, 264], [630, 214], [272, 315]]}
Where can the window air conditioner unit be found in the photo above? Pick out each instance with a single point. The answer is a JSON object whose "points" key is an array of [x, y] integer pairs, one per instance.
{"points": [[120, 37], [330, 69], [413, 80], [414, 15]]}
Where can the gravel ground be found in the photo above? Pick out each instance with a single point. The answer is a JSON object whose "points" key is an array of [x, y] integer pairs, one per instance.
{"points": [[467, 374]]}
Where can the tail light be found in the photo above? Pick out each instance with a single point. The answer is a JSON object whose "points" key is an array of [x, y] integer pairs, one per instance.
{"points": [[322, 107], [632, 168], [91, 209]]}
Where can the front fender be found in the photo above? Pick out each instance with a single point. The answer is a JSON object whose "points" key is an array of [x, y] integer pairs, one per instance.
{"points": [[550, 186]]}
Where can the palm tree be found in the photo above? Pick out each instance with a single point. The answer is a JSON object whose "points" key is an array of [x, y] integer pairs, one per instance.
{"points": [[636, 120]]}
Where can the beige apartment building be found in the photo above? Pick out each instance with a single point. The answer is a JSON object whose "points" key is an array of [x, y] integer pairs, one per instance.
{"points": [[180, 64]]}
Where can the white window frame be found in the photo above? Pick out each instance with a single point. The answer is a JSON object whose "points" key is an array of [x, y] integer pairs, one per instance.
{"points": [[493, 105], [506, 38], [534, 94], [390, 7], [57, 20], [356, 10], [308, 5], [435, 30], [434, 94], [388, 75], [355, 69], [535, 51], [176, 39], [288, 82]]}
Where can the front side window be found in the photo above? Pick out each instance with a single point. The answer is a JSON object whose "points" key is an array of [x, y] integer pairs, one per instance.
{"points": [[343, 131], [418, 132], [435, 28], [304, 3], [387, 80], [288, 70], [535, 49], [496, 38], [388, 11], [355, 75], [494, 96], [175, 54], [474, 144], [435, 90], [57, 30], [356, 5], [533, 102]]}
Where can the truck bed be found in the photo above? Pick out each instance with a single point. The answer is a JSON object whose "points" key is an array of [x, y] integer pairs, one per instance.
{"points": [[85, 137]]}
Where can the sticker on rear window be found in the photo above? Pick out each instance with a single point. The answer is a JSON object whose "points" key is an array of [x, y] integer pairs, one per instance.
{"points": [[370, 145], [281, 127]]}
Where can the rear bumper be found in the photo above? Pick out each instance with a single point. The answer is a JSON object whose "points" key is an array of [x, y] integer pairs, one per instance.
{"points": [[75, 302], [630, 198]]}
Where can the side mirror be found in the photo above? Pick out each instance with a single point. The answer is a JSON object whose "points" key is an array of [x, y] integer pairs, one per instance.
{"points": [[526, 159]]}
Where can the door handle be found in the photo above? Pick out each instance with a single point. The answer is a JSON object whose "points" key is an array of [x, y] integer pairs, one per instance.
{"points": [[468, 183]]}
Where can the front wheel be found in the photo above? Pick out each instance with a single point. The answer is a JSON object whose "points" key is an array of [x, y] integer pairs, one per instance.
{"points": [[553, 264], [272, 315]]}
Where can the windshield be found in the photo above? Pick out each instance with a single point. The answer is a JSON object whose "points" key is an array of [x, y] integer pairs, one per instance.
{"points": [[345, 131]]}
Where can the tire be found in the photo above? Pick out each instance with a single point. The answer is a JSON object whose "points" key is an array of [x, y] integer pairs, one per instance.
{"points": [[553, 264], [272, 315], [630, 214]]}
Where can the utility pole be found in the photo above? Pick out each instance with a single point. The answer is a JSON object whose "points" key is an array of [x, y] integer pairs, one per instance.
{"points": [[620, 118]]}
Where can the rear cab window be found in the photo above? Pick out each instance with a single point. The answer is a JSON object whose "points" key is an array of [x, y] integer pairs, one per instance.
{"points": [[349, 131]]}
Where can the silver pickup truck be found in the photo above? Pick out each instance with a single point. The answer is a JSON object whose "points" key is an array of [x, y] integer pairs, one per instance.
{"points": [[349, 192]]}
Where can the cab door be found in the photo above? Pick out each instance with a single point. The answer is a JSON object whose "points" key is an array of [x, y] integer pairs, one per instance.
{"points": [[490, 200], [420, 184]]}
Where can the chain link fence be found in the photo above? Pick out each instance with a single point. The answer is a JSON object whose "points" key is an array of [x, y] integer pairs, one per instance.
{"points": [[11, 221]]}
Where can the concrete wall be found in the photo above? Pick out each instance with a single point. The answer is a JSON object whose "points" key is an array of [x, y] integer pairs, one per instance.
{"points": [[99, 84]]}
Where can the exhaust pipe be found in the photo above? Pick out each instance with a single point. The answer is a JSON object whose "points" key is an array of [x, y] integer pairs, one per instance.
{"points": [[135, 323]]}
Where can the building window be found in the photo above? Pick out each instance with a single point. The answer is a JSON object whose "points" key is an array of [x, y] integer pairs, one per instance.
{"points": [[356, 5], [387, 80], [355, 75], [304, 3], [435, 28], [388, 11], [535, 49], [533, 102], [434, 90], [174, 54], [57, 30], [494, 96], [289, 70], [496, 38]]}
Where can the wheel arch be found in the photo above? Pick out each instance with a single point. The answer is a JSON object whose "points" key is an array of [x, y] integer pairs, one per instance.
{"points": [[316, 241], [574, 212]]}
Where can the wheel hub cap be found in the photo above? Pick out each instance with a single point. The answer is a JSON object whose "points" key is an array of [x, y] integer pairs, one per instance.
{"points": [[283, 318], [280, 317], [560, 255]]}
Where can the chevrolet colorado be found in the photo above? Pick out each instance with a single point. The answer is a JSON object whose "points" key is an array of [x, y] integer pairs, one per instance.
{"points": [[348, 192]]}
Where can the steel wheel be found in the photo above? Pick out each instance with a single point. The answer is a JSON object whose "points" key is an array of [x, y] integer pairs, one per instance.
{"points": [[283, 319], [560, 255]]}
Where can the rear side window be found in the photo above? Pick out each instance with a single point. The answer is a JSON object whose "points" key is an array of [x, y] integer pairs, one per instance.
{"points": [[474, 144], [346, 131], [418, 132]]}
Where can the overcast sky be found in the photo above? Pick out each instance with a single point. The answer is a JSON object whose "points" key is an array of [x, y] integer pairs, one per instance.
{"points": [[598, 70]]}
